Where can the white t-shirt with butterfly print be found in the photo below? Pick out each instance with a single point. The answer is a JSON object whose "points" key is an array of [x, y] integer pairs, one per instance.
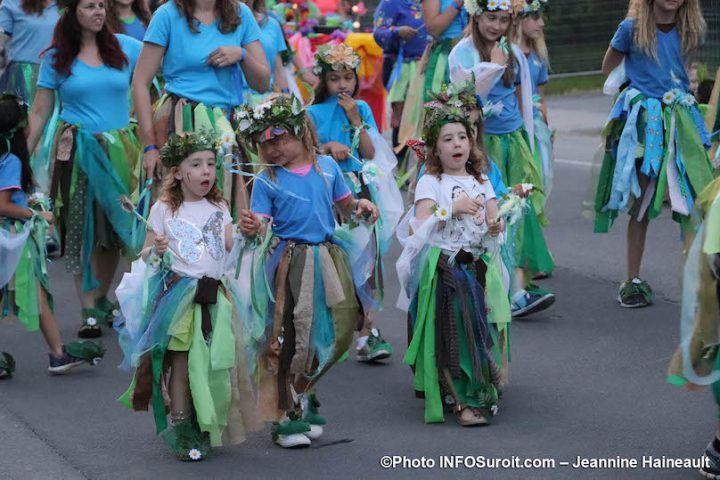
{"points": [[459, 231], [196, 231]]}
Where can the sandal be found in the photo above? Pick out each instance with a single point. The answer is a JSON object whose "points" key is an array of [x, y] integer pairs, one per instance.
{"points": [[470, 417]]}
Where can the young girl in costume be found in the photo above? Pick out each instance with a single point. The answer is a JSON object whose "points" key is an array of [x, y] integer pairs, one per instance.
{"points": [[22, 247], [655, 140], [205, 49], [311, 321], [449, 274], [483, 54], [130, 17], [187, 335], [347, 132], [528, 35], [94, 151]]}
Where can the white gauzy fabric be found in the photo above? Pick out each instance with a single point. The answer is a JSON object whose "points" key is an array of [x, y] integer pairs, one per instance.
{"points": [[11, 247], [615, 80]]}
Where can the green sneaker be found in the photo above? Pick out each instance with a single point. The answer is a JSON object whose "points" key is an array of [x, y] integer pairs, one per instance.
{"points": [[291, 433], [311, 415], [375, 349], [635, 293]]}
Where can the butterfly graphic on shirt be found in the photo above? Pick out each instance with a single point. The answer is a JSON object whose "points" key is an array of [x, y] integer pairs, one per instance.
{"points": [[192, 241]]}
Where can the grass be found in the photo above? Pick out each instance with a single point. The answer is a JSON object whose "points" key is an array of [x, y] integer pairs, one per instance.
{"points": [[583, 83]]}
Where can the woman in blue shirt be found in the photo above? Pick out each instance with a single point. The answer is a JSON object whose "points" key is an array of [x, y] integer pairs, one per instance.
{"points": [[25, 31], [655, 140], [95, 149], [202, 46], [130, 17]]}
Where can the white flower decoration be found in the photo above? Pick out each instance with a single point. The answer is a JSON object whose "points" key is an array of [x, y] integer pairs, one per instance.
{"points": [[96, 361], [244, 124], [242, 114], [494, 410], [442, 214], [669, 97], [195, 454], [472, 7], [115, 313], [91, 322], [504, 5], [227, 140], [492, 4]]}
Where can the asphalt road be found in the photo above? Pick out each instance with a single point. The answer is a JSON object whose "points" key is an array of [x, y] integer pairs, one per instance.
{"points": [[586, 378]]}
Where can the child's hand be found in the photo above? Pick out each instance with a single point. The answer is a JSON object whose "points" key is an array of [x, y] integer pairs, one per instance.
{"points": [[161, 245], [48, 216], [337, 150], [466, 205], [249, 224], [351, 110], [496, 227], [521, 191], [367, 209], [497, 55]]}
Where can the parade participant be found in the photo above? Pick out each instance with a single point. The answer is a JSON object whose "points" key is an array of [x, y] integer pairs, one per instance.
{"points": [[22, 243], [400, 32], [130, 17], [528, 35], [190, 335], [26, 29], [205, 47], [508, 137], [655, 141], [347, 132], [315, 309], [449, 274], [445, 21], [273, 43], [88, 69]]}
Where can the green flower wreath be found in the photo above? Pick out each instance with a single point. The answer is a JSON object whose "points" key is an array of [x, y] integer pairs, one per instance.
{"points": [[335, 58], [281, 111], [179, 147], [450, 105]]}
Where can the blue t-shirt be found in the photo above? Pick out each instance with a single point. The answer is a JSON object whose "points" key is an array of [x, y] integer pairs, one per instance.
{"points": [[186, 70], [307, 215], [538, 71], [11, 179], [456, 27], [29, 34], [332, 125], [391, 14], [653, 77], [509, 119], [93, 97], [272, 41], [134, 29]]}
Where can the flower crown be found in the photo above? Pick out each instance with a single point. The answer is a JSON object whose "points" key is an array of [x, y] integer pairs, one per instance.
{"points": [[532, 6], [280, 111], [451, 105], [179, 147], [334, 58], [477, 7]]}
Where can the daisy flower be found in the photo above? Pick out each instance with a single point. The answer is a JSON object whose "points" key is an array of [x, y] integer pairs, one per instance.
{"points": [[442, 214], [492, 4], [669, 97], [195, 454], [505, 5]]}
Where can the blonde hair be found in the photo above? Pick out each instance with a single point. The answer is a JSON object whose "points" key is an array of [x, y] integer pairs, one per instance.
{"points": [[690, 24], [484, 52], [539, 47], [309, 141]]}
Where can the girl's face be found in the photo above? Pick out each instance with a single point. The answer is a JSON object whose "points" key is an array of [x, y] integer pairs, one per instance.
{"points": [[197, 174], [532, 26], [694, 80], [342, 82], [453, 148], [669, 5], [281, 150], [493, 25], [91, 15], [124, 3]]}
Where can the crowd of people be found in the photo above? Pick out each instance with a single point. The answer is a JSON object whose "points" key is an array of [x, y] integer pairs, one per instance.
{"points": [[221, 156]]}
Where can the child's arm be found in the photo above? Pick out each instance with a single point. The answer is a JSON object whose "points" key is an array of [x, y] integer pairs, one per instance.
{"points": [[349, 104], [10, 210], [424, 209], [612, 59], [543, 105], [362, 207], [152, 240], [491, 212], [250, 225]]}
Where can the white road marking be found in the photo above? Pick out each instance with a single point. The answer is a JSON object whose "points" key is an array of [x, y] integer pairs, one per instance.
{"points": [[573, 163]]}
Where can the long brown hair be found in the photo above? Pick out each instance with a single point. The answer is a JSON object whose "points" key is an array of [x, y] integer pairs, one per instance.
{"points": [[115, 22], [67, 38], [690, 24], [477, 164], [484, 51], [321, 91], [171, 192], [227, 10], [33, 7]]}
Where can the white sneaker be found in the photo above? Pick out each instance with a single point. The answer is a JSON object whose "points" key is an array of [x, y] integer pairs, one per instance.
{"points": [[294, 440], [315, 432]]}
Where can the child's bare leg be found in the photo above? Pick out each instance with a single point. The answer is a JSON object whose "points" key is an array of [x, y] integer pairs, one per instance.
{"points": [[179, 388], [636, 235], [48, 326]]}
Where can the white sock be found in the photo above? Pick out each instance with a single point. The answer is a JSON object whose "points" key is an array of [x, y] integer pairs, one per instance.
{"points": [[362, 341]]}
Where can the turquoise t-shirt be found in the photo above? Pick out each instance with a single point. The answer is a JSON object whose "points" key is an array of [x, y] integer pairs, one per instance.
{"points": [[186, 70], [11, 179], [29, 34], [456, 27], [272, 41], [332, 125], [93, 97], [653, 77], [134, 28], [306, 215], [538, 72]]}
